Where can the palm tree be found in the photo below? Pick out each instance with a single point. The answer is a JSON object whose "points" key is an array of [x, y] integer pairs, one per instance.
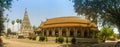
{"points": [[13, 22], [18, 21], [7, 20], [7, 23], [105, 33]]}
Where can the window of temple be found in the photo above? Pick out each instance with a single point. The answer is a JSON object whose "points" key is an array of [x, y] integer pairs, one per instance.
{"points": [[56, 33], [50, 32], [78, 33], [85, 34], [71, 33], [45, 33], [90, 34]]}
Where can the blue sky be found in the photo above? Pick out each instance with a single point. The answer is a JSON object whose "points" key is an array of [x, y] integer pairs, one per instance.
{"points": [[40, 10]]}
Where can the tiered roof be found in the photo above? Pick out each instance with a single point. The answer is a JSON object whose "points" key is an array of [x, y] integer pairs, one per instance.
{"points": [[68, 22]]}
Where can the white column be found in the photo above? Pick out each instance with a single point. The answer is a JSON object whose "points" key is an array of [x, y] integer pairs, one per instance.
{"points": [[60, 32], [88, 33], [93, 36], [53, 32], [82, 32], [47, 32], [75, 32], [67, 32], [43, 32]]}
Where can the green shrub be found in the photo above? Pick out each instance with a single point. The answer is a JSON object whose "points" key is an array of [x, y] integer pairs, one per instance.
{"points": [[32, 37], [73, 41], [41, 38], [20, 36], [60, 39]]}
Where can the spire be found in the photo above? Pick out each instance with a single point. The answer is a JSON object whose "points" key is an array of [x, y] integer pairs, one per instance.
{"points": [[26, 26], [26, 18], [25, 12]]}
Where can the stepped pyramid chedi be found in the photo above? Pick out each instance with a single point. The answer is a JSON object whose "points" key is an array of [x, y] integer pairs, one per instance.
{"points": [[25, 27]]}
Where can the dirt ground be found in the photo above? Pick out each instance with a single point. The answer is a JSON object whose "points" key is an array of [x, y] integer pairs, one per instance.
{"points": [[32, 43]]}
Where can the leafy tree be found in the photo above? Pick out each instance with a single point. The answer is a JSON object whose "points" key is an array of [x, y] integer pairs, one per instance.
{"points": [[105, 33], [107, 11], [4, 4]]}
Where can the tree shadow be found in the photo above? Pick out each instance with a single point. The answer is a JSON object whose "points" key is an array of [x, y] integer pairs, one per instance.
{"points": [[68, 45]]}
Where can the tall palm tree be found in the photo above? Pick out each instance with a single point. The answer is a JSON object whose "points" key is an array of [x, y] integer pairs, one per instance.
{"points": [[20, 21], [6, 20], [13, 22], [7, 23], [17, 21]]}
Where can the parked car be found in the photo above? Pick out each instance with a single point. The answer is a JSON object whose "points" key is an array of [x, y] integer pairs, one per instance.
{"points": [[1, 42], [118, 44]]}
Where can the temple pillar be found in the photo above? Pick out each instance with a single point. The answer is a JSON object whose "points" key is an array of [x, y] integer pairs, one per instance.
{"points": [[67, 32], [93, 34], [82, 32], [53, 32], [42, 32], [47, 33], [60, 32], [75, 32], [88, 33]]}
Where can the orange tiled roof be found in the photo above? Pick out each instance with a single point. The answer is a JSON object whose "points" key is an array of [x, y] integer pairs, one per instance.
{"points": [[41, 25], [68, 22], [66, 25], [94, 29]]}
